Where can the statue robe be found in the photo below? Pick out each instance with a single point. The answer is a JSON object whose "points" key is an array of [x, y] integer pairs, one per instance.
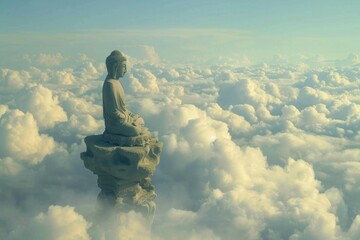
{"points": [[118, 120]]}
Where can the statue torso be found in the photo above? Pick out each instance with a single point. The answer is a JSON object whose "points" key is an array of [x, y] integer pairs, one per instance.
{"points": [[113, 102]]}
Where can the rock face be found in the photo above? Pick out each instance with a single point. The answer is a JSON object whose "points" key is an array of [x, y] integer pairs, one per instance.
{"points": [[124, 172]]}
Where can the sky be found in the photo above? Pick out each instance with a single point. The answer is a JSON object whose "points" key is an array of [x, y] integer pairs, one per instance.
{"points": [[257, 104], [182, 30]]}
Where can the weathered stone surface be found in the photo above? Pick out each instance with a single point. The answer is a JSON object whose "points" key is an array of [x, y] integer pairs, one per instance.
{"points": [[139, 140], [123, 173]]}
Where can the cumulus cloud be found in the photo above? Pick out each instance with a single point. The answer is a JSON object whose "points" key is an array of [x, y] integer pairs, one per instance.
{"points": [[72, 103], [20, 138], [230, 193], [351, 59], [169, 74], [152, 54], [64, 77], [125, 226], [44, 106], [141, 53], [84, 124], [14, 79], [237, 123], [261, 151], [87, 71], [57, 223], [244, 92], [323, 79], [50, 59], [3, 109], [309, 96], [143, 81]]}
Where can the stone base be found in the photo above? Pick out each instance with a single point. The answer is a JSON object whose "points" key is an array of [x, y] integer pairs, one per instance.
{"points": [[124, 173], [141, 140]]}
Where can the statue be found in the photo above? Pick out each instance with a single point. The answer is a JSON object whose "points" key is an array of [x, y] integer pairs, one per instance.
{"points": [[125, 156], [121, 126]]}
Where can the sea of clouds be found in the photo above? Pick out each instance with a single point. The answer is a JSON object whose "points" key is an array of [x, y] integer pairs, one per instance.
{"points": [[251, 151]]}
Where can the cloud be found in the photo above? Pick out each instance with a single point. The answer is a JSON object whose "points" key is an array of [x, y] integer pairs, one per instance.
{"points": [[14, 79], [44, 106], [244, 92], [169, 74], [87, 71], [324, 78], [143, 81], [279, 147], [76, 128], [125, 226], [247, 111], [72, 103], [50, 59], [3, 109], [309, 96], [57, 223], [21, 140], [152, 54], [230, 193], [354, 231], [64, 77], [237, 123], [351, 59], [265, 151]]}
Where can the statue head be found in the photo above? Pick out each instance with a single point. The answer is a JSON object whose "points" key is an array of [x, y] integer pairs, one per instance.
{"points": [[116, 65]]}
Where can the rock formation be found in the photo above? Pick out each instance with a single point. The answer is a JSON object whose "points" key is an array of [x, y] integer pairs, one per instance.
{"points": [[123, 173]]}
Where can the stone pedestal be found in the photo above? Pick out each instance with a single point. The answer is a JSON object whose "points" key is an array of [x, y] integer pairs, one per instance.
{"points": [[123, 173]]}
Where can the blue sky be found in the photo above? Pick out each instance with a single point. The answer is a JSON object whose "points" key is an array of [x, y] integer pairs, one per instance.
{"points": [[182, 29]]}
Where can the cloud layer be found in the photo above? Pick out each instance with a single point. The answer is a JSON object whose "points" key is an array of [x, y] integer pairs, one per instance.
{"points": [[259, 151]]}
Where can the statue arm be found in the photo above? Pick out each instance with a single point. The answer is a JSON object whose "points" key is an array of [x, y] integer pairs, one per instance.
{"points": [[111, 102]]}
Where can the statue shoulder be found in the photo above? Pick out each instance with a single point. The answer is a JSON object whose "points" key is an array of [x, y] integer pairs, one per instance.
{"points": [[112, 83]]}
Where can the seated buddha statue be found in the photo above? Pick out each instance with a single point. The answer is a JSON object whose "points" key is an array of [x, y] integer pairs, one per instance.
{"points": [[121, 126]]}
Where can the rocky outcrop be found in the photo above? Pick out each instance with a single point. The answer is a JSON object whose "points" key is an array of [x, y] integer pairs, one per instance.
{"points": [[124, 172]]}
